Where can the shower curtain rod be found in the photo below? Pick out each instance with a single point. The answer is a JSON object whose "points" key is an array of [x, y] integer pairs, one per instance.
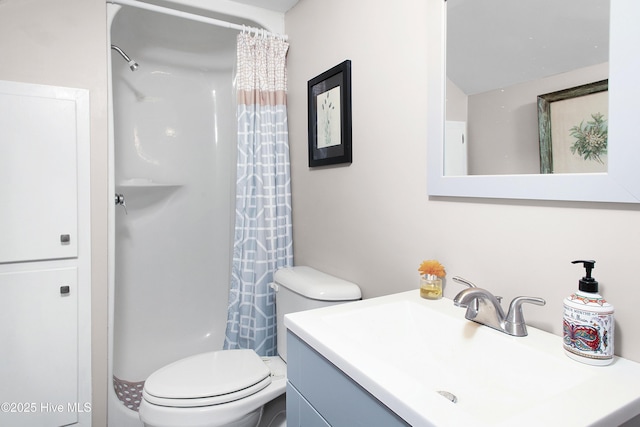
{"points": [[194, 17]]}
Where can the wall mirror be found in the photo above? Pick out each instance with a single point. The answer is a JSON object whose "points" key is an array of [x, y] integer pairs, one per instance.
{"points": [[460, 79]]}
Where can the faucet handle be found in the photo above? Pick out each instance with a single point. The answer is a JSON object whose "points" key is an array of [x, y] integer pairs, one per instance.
{"points": [[476, 305], [470, 284], [462, 281], [514, 321]]}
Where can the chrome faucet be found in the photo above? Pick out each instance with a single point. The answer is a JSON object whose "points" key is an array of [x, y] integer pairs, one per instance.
{"points": [[484, 308]]}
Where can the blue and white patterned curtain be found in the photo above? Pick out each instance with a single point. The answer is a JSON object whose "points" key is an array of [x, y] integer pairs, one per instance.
{"points": [[263, 231]]}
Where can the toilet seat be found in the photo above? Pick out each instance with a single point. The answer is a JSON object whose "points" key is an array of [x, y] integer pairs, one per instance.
{"points": [[208, 379]]}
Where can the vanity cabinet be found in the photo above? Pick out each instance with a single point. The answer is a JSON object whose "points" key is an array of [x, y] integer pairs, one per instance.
{"points": [[319, 394], [45, 256]]}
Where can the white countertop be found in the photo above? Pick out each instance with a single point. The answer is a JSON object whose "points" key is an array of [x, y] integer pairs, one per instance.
{"points": [[404, 349]]}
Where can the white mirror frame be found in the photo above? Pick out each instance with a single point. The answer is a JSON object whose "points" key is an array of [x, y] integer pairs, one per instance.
{"points": [[622, 181]]}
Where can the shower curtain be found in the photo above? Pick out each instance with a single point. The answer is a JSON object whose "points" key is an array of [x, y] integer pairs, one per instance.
{"points": [[263, 231]]}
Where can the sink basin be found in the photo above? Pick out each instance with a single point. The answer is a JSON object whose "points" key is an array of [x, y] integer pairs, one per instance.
{"points": [[431, 366], [483, 369]]}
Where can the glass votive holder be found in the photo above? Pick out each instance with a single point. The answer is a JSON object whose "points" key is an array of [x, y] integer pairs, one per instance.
{"points": [[430, 287]]}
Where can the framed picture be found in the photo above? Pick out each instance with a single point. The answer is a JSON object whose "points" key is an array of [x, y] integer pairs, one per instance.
{"points": [[573, 129], [329, 99]]}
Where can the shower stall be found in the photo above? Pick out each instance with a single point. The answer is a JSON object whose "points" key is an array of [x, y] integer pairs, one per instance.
{"points": [[172, 176]]}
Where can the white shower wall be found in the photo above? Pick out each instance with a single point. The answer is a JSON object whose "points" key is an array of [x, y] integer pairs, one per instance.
{"points": [[174, 162]]}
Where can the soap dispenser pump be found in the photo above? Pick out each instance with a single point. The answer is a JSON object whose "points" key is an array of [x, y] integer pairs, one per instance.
{"points": [[588, 325]]}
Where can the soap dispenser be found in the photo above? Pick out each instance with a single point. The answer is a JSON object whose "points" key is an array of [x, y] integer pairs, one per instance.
{"points": [[588, 325]]}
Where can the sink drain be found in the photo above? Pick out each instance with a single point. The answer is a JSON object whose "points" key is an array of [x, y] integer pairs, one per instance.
{"points": [[452, 397]]}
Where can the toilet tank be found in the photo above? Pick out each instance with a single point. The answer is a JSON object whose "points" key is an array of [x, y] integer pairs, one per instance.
{"points": [[304, 288]]}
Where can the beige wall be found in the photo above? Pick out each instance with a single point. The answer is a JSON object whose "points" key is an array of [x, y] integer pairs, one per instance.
{"points": [[373, 223], [63, 43]]}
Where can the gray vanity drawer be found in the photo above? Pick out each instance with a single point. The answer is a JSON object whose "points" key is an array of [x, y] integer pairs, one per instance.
{"points": [[300, 412], [335, 396]]}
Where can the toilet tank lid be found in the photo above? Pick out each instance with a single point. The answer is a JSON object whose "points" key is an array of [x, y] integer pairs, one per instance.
{"points": [[316, 285]]}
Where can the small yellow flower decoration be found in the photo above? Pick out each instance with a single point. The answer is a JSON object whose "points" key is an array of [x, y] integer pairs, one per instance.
{"points": [[432, 267]]}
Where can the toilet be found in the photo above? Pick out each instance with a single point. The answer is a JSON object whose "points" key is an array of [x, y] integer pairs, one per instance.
{"points": [[231, 387]]}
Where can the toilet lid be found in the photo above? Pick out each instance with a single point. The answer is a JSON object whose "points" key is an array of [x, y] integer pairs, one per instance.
{"points": [[208, 379]]}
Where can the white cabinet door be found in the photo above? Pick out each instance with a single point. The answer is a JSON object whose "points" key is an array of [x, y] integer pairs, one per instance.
{"points": [[39, 348], [38, 175]]}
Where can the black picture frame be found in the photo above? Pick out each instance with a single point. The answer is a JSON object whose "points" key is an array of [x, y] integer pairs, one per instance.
{"points": [[329, 119]]}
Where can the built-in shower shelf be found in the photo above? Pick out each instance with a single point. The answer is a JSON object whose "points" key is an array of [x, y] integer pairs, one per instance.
{"points": [[145, 183], [142, 193]]}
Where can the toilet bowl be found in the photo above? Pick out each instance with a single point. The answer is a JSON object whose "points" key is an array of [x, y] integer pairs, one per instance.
{"points": [[219, 388], [230, 387]]}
